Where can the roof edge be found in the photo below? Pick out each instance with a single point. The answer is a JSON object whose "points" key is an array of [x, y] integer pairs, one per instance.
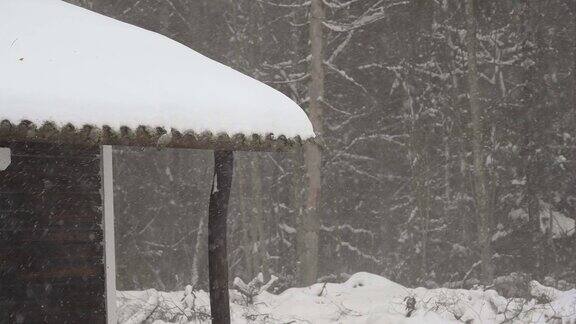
{"points": [[143, 136]]}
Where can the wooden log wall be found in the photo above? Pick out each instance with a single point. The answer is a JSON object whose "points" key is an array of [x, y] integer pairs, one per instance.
{"points": [[51, 235]]}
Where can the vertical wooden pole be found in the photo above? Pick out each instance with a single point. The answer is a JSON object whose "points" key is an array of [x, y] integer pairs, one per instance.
{"points": [[109, 240], [217, 247]]}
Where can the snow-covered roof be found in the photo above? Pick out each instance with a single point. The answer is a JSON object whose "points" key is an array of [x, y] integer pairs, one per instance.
{"points": [[66, 65]]}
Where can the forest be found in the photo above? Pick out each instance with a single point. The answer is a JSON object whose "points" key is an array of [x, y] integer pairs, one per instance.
{"points": [[447, 155]]}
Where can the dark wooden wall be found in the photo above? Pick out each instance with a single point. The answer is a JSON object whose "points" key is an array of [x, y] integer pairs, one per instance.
{"points": [[51, 235]]}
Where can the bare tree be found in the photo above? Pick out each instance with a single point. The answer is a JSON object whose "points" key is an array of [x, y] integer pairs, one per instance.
{"points": [[310, 223], [480, 181]]}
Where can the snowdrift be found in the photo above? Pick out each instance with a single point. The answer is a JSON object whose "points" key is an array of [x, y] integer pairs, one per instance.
{"points": [[365, 298]]}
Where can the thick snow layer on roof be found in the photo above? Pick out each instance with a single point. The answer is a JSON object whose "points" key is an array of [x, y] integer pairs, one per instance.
{"points": [[65, 64]]}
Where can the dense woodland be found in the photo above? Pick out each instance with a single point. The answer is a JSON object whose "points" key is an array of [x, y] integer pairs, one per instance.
{"points": [[448, 131]]}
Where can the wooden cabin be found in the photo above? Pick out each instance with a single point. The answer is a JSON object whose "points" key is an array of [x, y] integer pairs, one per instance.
{"points": [[73, 83]]}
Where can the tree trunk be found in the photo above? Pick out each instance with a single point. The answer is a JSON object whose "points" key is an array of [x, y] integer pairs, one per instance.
{"points": [[217, 241], [199, 254], [480, 185], [297, 205], [310, 223], [247, 243], [257, 224]]}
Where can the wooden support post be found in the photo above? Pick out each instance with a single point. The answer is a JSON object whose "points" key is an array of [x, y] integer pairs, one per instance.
{"points": [[109, 240], [217, 249]]}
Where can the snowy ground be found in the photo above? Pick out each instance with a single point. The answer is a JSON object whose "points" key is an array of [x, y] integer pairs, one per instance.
{"points": [[364, 298]]}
